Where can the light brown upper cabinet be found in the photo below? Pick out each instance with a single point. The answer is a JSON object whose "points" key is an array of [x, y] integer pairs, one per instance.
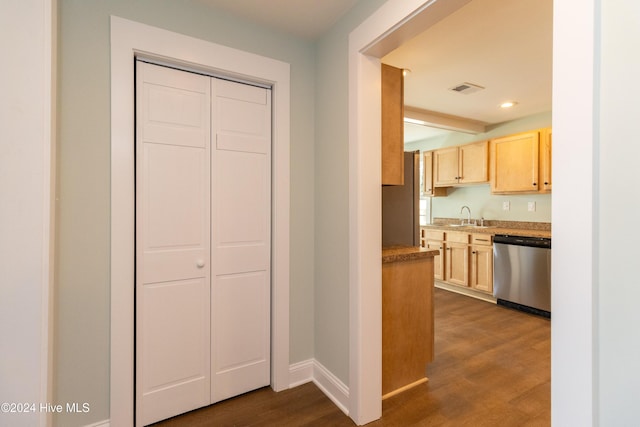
{"points": [[521, 163], [392, 125], [464, 164], [428, 189], [545, 160]]}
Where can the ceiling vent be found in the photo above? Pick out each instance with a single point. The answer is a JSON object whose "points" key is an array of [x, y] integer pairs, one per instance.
{"points": [[466, 88]]}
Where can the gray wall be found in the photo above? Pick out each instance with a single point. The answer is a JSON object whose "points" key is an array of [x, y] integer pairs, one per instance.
{"points": [[332, 193], [82, 252], [478, 197]]}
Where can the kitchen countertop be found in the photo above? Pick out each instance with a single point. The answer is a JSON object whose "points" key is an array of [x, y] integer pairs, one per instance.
{"points": [[406, 253], [513, 228]]}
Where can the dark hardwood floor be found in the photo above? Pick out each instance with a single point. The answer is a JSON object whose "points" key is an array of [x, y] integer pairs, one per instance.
{"points": [[491, 368]]}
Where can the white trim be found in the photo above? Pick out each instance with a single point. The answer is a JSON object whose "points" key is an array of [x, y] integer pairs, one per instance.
{"points": [[127, 39], [312, 370], [49, 190], [395, 22], [574, 304], [331, 386], [104, 423], [301, 373]]}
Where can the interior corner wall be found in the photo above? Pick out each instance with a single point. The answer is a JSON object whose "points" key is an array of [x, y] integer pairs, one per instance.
{"points": [[83, 224], [331, 163]]}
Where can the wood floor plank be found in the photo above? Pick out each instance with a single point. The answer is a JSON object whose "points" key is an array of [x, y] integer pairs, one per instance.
{"points": [[491, 367]]}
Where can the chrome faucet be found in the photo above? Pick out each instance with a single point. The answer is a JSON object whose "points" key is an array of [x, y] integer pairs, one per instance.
{"points": [[468, 215]]}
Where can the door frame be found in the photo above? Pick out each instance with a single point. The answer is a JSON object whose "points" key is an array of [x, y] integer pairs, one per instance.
{"points": [[386, 29], [128, 39]]}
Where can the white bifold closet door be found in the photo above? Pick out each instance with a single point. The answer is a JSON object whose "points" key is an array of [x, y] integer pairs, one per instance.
{"points": [[203, 243]]}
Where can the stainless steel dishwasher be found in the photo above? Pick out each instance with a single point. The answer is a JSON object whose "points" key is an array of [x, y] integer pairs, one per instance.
{"points": [[522, 273]]}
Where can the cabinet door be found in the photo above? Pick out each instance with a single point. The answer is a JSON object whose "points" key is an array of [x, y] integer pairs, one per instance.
{"points": [[457, 263], [474, 163], [428, 188], [445, 167], [427, 173], [438, 260], [514, 164], [545, 160], [482, 268], [392, 125]]}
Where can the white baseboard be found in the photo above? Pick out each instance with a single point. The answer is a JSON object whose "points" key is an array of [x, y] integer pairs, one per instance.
{"points": [[302, 373], [312, 370]]}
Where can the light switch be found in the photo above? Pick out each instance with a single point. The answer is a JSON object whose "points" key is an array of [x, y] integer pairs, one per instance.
{"points": [[506, 206], [531, 206]]}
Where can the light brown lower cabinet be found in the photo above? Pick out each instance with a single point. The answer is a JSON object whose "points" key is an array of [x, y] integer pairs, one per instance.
{"points": [[456, 258], [481, 274], [465, 259], [434, 239], [438, 260]]}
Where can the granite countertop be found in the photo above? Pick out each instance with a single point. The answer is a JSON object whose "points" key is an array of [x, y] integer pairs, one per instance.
{"points": [[406, 253], [513, 228]]}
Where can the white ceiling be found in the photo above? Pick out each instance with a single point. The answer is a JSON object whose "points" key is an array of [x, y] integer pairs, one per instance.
{"points": [[502, 45], [303, 18]]}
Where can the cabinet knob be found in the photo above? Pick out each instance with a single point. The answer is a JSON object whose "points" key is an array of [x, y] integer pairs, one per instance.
{"points": [[534, 184], [200, 263], [546, 183]]}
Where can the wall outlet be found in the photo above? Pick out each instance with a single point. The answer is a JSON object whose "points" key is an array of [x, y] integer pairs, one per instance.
{"points": [[531, 206], [506, 206]]}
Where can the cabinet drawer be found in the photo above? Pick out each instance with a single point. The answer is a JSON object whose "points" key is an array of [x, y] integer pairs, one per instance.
{"points": [[457, 237], [481, 239], [434, 234]]}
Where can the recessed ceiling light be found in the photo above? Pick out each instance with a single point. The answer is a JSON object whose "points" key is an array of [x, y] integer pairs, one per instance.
{"points": [[508, 104]]}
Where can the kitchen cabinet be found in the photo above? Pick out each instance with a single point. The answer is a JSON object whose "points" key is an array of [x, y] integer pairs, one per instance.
{"points": [[428, 187], [521, 163], [456, 259], [545, 160], [464, 164], [434, 239], [445, 167], [463, 259], [392, 143], [481, 260]]}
